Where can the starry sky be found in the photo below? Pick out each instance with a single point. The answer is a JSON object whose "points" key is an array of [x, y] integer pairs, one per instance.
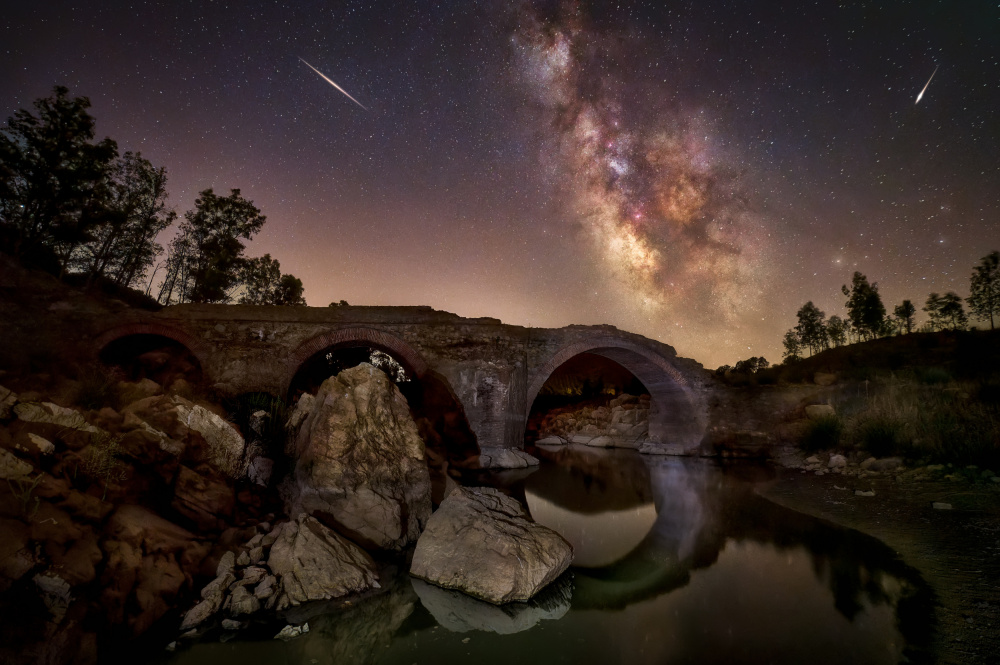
{"points": [[690, 171]]}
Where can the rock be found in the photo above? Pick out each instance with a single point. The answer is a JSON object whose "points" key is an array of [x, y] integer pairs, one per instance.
{"points": [[231, 624], [290, 632], [47, 412], [580, 438], [505, 458], [203, 500], [886, 464], [44, 446], [837, 462], [226, 564], [481, 542], [864, 492], [939, 505], [316, 563], [460, 613], [16, 558], [216, 589], [200, 613], [259, 471], [817, 411], [995, 479], [132, 392], [55, 593], [867, 464], [812, 459], [12, 467], [224, 442], [243, 559], [253, 574], [602, 442], [550, 441], [824, 379], [361, 460], [243, 602], [8, 399]]}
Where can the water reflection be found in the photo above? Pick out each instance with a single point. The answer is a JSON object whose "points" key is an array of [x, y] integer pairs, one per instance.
{"points": [[679, 561]]}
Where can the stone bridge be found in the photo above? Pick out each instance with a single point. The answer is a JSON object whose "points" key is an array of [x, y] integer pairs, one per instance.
{"points": [[493, 370]]}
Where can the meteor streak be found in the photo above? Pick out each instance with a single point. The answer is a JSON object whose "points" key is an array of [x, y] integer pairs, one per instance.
{"points": [[347, 93], [914, 103]]}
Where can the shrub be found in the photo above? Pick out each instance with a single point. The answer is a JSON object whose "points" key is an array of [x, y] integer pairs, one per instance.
{"points": [[932, 375], [881, 435], [98, 388]]}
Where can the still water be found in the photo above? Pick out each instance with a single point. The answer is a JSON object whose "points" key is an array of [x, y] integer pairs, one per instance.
{"points": [[677, 561]]}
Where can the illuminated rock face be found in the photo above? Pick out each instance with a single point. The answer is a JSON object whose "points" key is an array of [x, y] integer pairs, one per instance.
{"points": [[482, 542], [360, 461]]}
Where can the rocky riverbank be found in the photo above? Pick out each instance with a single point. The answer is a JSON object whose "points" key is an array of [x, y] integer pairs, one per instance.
{"points": [[942, 520]]}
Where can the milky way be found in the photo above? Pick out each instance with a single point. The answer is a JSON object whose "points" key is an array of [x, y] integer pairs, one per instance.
{"points": [[655, 199]]}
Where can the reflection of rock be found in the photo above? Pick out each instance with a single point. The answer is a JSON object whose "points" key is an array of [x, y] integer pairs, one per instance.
{"points": [[461, 613], [357, 633], [479, 541], [622, 423], [361, 460]]}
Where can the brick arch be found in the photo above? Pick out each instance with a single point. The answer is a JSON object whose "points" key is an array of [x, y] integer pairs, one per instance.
{"points": [[676, 416], [371, 336], [198, 348]]}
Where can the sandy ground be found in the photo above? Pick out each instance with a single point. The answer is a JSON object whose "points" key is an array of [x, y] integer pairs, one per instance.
{"points": [[956, 551]]}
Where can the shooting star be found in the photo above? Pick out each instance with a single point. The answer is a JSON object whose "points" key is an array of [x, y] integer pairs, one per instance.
{"points": [[341, 89], [914, 103]]}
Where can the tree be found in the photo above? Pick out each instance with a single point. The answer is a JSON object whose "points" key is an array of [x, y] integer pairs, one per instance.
{"points": [[946, 311], [751, 365], [811, 330], [836, 330], [904, 313], [206, 257], [792, 346], [264, 284], [123, 246], [864, 307], [52, 177], [984, 295]]}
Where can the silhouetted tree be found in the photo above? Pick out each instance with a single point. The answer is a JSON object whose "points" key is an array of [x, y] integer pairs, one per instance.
{"points": [[984, 295], [123, 245], [52, 177], [751, 365], [264, 284], [207, 255], [836, 330], [793, 347], [811, 330], [904, 313], [946, 311], [864, 307]]}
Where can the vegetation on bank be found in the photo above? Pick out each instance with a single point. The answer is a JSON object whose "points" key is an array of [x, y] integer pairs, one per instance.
{"points": [[78, 209]]}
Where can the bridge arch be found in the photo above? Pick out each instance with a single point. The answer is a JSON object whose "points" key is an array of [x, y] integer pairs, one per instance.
{"points": [[198, 349], [675, 415], [411, 358]]}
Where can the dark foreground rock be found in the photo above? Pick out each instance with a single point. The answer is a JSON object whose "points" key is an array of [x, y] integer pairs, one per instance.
{"points": [[481, 542], [360, 461]]}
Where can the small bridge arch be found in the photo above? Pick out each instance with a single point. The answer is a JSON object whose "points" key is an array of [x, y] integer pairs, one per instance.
{"points": [[675, 416]]}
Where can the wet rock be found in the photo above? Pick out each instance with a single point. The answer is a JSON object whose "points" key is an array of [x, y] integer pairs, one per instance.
{"points": [[200, 613], [505, 458], [316, 563], [481, 542], [550, 441], [361, 460], [817, 411], [460, 613], [290, 632], [232, 624]]}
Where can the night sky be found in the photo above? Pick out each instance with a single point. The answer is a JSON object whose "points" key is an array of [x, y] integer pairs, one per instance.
{"points": [[690, 171]]}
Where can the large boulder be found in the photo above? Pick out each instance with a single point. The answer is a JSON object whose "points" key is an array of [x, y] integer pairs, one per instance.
{"points": [[360, 461], [315, 563], [47, 412], [481, 542]]}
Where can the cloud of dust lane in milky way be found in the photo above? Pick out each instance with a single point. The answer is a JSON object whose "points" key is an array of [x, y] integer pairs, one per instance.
{"points": [[660, 206]]}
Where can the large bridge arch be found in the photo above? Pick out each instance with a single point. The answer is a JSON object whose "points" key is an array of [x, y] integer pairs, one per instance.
{"points": [[676, 413], [412, 359]]}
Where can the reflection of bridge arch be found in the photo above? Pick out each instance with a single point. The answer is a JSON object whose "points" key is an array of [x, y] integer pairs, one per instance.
{"points": [[409, 357], [673, 412], [197, 348]]}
